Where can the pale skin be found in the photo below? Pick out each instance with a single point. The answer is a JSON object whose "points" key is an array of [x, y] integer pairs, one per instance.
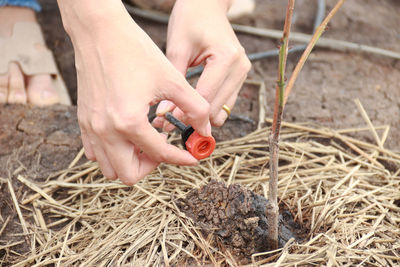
{"points": [[15, 86], [200, 33], [121, 72]]}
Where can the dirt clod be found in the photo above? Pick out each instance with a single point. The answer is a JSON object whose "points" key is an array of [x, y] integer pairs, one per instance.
{"points": [[236, 215]]}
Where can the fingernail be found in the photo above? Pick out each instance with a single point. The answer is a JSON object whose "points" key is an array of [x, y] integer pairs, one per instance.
{"points": [[163, 107]]}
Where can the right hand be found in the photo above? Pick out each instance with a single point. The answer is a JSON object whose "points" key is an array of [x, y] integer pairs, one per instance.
{"points": [[121, 72], [199, 33]]}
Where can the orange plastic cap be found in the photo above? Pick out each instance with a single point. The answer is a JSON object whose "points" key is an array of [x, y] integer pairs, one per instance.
{"points": [[200, 146]]}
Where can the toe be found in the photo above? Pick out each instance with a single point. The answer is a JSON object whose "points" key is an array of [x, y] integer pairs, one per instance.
{"points": [[16, 85], [41, 91], [3, 88]]}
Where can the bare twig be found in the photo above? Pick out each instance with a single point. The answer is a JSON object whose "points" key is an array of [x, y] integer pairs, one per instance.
{"points": [[272, 208], [281, 96], [310, 46]]}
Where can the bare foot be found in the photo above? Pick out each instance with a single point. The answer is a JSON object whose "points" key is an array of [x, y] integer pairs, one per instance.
{"points": [[15, 86]]}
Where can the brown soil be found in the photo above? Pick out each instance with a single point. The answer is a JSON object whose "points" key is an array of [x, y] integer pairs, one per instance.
{"points": [[41, 140], [236, 215], [34, 143], [330, 80]]}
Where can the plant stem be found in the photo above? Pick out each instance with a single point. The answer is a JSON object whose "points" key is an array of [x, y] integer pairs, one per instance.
{"points": [[281, 95], [272, 208]]}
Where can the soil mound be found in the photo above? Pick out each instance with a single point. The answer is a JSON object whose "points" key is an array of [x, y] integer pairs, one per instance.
{"points": [[236, 215]]}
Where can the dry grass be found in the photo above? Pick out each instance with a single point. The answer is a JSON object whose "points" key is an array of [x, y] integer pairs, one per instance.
{"points": [[336, 186]]}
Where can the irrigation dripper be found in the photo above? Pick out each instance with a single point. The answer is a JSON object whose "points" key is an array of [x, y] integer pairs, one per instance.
{"points": [[199, 146]]}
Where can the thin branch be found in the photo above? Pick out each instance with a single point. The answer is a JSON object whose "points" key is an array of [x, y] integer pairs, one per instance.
{"points": [[310, 46], [272, 208], [281, 95]]}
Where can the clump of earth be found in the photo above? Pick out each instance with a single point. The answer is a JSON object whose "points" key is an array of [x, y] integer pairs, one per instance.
{"points": [[236, 216]]}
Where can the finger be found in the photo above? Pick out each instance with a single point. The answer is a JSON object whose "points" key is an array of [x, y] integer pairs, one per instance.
{"points": [[222, 115], [146, 165], [3, 88], [163, 107], [229, 91], [153, 144], [158, 122], [195, 107], [163, 124], [178, 113], [128, 162], [167, 126], [210, 83], [223, 77], [87, 146], [101, 158], [180, 62], [213, 77], [227, 96], [16, 85], [178, 58]]}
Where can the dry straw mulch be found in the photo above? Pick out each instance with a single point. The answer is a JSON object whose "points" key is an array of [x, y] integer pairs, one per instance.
{"points": [[345, 191]]}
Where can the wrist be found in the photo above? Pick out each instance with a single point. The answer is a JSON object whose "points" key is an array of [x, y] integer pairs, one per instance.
{"points": [[85, 20], [223, 4]]}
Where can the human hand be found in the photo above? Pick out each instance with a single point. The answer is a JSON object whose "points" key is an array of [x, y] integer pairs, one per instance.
{"points": [[200, 33], [121, 72]]}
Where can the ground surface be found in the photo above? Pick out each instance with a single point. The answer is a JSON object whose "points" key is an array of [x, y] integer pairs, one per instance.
{"points": [[330, 80], [38, 142], [33, 143]]}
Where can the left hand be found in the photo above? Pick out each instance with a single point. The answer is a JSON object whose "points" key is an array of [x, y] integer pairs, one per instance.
{"points": [[200, 33]]}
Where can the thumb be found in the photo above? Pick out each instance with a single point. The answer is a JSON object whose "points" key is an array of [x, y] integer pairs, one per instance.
{"points": [[192, 104], [180, 62]]}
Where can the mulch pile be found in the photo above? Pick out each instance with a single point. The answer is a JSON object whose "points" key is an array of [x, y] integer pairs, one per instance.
{"points": [[343, 191]]}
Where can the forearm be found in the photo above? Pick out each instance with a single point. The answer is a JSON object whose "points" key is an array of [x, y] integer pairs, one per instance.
{"points": [[88, 19], [223, 4], [100, 27]]}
